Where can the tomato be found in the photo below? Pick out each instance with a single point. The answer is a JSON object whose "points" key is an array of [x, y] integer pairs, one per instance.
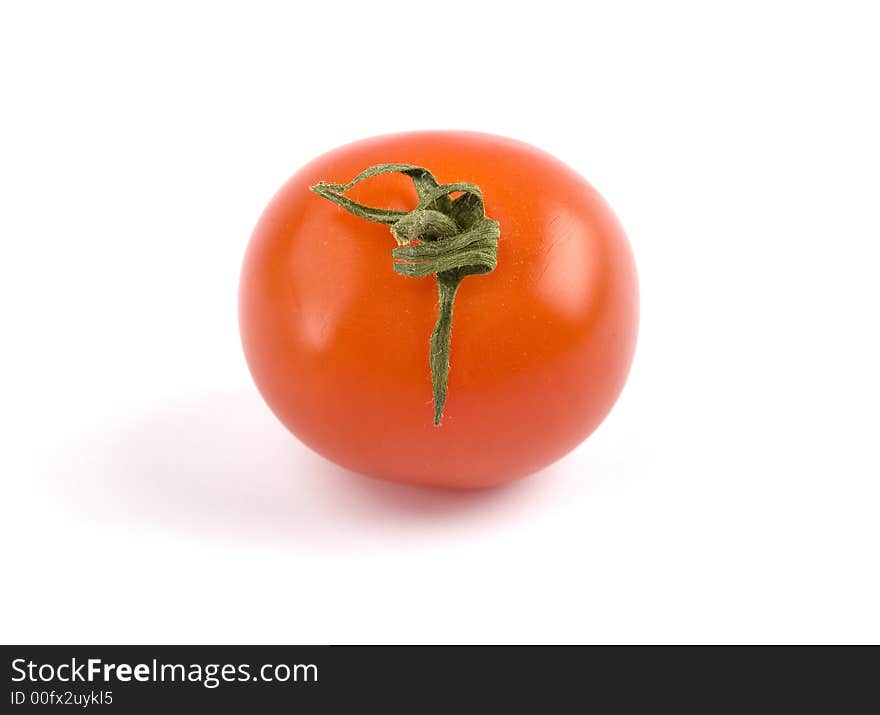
{"points": [[337, 341]]}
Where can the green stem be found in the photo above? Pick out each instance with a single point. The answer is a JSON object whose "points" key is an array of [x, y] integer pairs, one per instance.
{"points": [[447, 287], [442, 236]]}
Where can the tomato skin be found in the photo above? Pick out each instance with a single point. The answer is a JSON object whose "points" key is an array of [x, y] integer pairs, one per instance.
{"points": [[337, 342]]}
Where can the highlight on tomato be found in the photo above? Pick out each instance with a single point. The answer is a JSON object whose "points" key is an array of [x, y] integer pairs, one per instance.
{"points": [[450, 309]]}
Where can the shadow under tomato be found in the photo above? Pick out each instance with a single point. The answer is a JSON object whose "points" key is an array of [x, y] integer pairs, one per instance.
{"points": [[220, 465]]}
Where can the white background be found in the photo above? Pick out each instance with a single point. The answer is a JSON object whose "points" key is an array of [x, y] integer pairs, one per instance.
{"points": [[150, 496]]}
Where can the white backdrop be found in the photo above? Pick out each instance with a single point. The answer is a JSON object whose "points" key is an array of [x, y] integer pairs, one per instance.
{"points": [[150, 496]]}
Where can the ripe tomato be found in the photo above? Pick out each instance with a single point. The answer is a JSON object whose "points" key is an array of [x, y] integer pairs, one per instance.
{"points": [[337, 341]]}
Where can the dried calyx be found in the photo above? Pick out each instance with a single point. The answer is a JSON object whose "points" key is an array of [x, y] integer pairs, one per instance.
{"points": [[442, 236]]}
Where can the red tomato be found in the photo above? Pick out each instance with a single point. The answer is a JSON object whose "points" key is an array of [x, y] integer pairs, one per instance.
{"points": [[337, 342]]}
